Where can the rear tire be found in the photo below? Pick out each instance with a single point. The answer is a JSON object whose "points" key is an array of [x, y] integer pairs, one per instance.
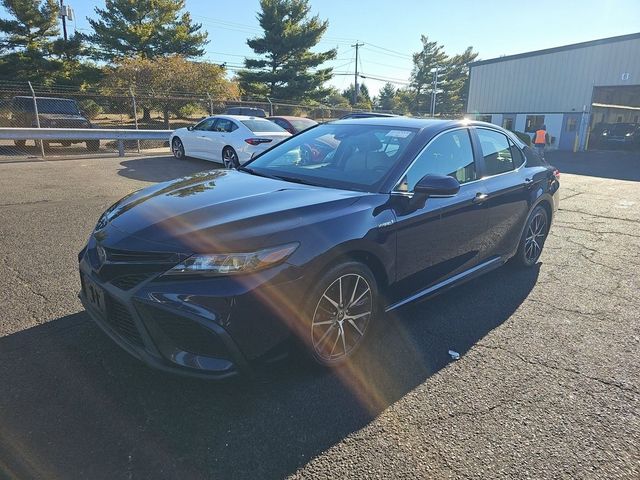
{"points": [[230, 158], [532, 241], [93, 145], [339, 313]]}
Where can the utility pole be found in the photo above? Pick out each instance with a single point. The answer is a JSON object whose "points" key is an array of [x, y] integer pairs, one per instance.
{"points": [[433, 93], [63, 15], [355, 81]]}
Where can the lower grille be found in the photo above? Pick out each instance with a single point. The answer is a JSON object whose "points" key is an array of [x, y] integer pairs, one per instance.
{"points": [[187, 335], [122, 322]]}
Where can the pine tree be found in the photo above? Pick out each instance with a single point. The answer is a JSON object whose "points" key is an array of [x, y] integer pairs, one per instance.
{"points": [[431, 56], [288, 69], [145, 28], [387, 97], [455, 84], [364, 99], [32, 49], [27, 40]]}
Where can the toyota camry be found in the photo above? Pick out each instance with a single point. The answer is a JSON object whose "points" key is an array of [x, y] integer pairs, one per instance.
{"points": [[209, 274]]}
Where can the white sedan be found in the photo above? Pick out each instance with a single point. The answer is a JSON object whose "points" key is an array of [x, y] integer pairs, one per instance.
{"points": [[228, 139]]}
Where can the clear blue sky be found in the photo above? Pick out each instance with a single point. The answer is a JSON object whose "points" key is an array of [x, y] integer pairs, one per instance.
{"points": [[493, 28]]}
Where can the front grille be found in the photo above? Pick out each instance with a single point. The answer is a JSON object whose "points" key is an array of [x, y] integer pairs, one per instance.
{"points": [[121, 321], [127, 282], [187, 335]]}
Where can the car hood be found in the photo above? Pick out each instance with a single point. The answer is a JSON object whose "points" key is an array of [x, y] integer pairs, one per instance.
{"points": [[221, 211]]}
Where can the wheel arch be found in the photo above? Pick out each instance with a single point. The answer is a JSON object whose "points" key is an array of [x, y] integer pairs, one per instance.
{"points": [[366, 257]]}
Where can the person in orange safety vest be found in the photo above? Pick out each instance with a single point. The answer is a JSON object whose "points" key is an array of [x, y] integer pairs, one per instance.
{"points": [[541, 139]]}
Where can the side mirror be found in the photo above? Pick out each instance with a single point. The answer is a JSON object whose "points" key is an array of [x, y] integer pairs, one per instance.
{"points": [[190, 127], [433, 186], [437, 185]]}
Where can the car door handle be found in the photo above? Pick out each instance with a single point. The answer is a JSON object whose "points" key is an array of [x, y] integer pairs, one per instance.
{"points": [[528, 182], [480, 197]]}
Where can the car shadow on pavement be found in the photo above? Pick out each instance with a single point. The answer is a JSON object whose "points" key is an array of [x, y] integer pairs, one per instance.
{"points": [[73, 405], [163, 168], [615, 164]]}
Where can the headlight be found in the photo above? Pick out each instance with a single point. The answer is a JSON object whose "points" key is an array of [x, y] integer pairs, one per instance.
{"points": [[233, 263]]}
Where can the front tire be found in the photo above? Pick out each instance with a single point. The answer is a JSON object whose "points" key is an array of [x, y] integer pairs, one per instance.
{"points": [[533, 238], [340, 310], [230, 158], [177, 148]]}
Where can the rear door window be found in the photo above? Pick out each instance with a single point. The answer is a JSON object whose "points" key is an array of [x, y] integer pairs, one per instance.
{"points": [[496, 152], [225, 125], [516, 153]]}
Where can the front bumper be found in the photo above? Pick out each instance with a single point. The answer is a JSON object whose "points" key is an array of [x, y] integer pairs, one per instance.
{"points": [[211, 328]]}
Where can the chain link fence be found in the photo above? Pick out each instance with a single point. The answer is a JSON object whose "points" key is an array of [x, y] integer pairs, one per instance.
{"points": [[27, 105]]}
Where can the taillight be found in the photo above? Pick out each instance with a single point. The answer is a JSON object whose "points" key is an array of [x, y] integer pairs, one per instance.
{"points": [[257, 141], [556, 173]]}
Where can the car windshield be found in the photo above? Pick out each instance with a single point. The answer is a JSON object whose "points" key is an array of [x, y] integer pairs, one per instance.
{"points": [[354, 157], [257, 125]]}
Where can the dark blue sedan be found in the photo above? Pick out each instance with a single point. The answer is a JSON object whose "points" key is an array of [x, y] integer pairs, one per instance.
{"points": [[208, 274]]}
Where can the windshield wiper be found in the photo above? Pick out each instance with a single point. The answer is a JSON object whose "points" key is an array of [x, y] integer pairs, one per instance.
{"points": [[296, 180], [277, 177], [254, 172]]}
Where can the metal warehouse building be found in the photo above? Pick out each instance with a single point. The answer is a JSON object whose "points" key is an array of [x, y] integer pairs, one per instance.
{"points": [[574, 89]]}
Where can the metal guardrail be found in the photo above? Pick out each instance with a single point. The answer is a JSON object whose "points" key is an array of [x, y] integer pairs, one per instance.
{"points": [[84, 134]]}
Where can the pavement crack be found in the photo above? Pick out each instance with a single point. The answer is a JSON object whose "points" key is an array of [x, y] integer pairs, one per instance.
{"points": [[595, 215], [596, 232], [560, 308], [34, 202], [573, 371], [23, 281], [571, 196]]}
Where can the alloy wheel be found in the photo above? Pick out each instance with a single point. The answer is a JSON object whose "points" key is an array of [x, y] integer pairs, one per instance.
{"points": [[341, 317], [536, 233], [229, 158], [177, 148]]}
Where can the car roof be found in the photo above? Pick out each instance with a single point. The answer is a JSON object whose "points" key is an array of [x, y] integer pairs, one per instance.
{"points": [[430, 124], [291, 117], [45, 98], [407, 122], [237, 117], [367, 114]]}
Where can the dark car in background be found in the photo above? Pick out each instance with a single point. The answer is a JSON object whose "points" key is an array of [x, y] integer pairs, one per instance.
{"points": [[367, 115], [52, 113], [246, 111], [207, 274], [620, 135], [293, 125]]}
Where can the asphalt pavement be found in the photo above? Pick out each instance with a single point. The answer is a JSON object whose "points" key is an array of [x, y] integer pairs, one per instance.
{"points": [[547, 384]]}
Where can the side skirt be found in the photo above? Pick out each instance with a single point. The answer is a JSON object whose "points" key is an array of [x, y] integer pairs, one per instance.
{"points": [[449, 282]]}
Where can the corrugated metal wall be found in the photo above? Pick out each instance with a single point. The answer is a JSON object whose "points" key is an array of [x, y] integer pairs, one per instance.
{"points": [[554, 82]]}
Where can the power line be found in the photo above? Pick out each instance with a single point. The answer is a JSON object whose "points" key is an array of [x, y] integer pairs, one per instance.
{"points": [[400, 54]]}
